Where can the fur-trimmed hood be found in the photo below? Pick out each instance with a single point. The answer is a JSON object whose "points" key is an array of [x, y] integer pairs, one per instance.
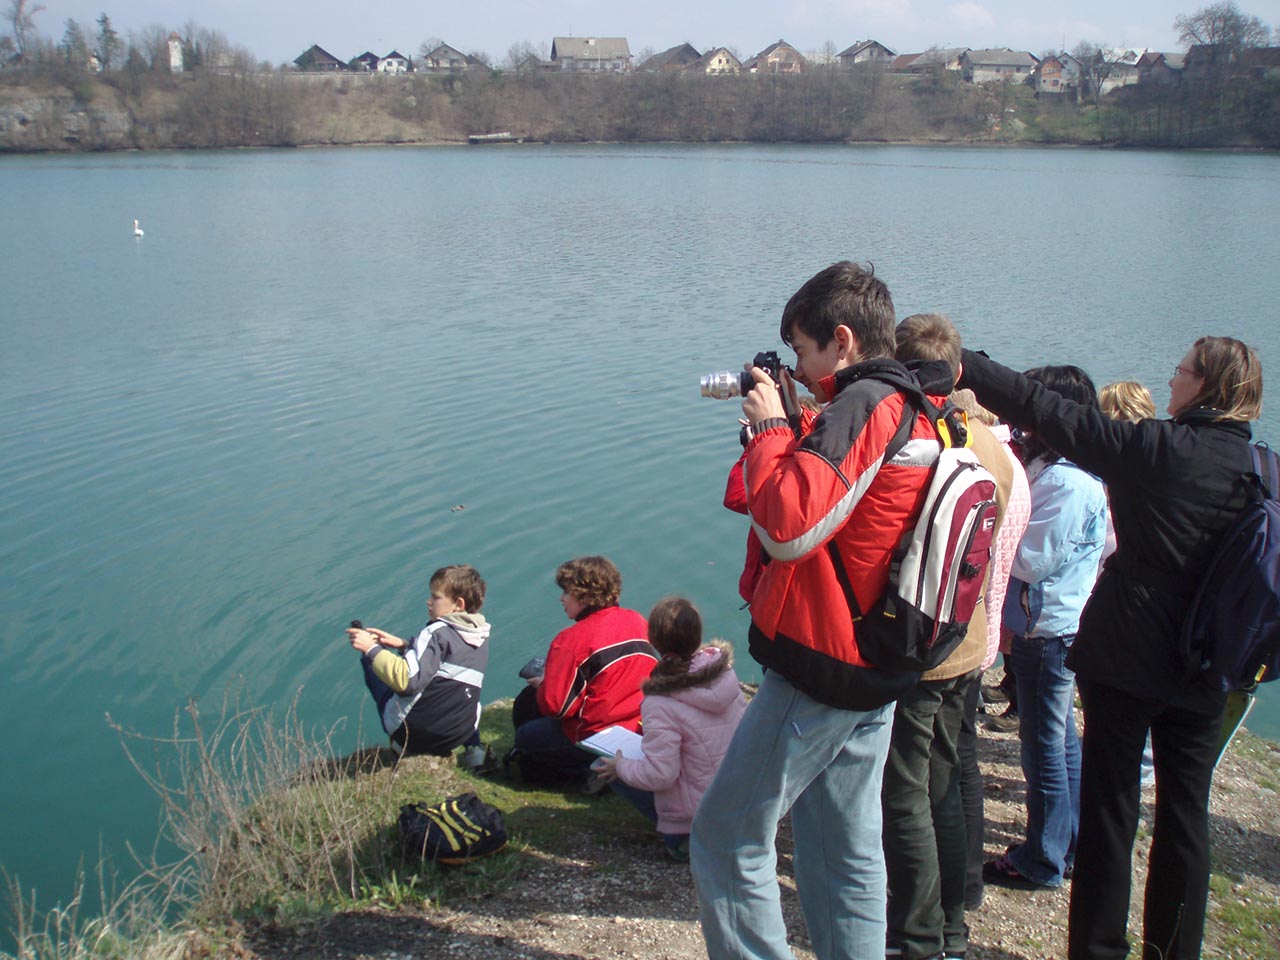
{"points": [[702, 683]]}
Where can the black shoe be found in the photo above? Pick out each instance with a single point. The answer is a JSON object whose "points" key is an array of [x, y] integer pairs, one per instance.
{"points": [[1006, 722], [994, 695], [1002, 873]]}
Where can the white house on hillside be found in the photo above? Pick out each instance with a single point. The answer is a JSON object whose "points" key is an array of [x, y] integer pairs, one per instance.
{"points": [[594, 54]]}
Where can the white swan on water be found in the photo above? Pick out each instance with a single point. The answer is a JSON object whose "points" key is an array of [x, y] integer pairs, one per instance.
{"points": [[137, 230]]}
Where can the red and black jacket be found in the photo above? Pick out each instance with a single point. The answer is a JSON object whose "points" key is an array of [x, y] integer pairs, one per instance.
{"points": [[835, 485], [594, 671]]}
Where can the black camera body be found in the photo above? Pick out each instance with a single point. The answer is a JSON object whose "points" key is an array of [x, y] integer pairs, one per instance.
{"points": [[766, 360], [726, 384]]}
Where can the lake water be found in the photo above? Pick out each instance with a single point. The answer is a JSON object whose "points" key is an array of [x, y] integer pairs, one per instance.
{"points": [[324, 373]]}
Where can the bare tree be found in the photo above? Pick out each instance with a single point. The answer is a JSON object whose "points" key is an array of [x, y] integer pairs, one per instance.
{"points": [[152, 43], [826, 55], [428, 47], [520, 52], [1222, 24], [1096, 65], [21, 17]]}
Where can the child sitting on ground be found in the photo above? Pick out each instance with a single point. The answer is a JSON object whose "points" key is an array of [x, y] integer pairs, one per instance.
{"points": [[691, 707], [428, 691]]}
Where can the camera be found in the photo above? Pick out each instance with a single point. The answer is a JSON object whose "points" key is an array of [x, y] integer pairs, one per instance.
{"points": [[727, 384]]}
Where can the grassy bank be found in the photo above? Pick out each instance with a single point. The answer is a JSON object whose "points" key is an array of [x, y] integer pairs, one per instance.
{"points": [[290, 851]]}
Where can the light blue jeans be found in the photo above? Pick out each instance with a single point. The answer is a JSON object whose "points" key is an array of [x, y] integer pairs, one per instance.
{"points": [[824, 765], [1050, 758]]}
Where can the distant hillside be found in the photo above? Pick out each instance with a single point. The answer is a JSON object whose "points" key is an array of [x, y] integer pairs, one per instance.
{"points": [[150, 110]]}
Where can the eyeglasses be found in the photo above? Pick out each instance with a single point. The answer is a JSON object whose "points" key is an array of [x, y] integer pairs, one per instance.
{"points": [[1181, 369]]}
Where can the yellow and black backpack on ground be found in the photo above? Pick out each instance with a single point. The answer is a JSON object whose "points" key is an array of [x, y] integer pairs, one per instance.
{"points": [[459, 830]]}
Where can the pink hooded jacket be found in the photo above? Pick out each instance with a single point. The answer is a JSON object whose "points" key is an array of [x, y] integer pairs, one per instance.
{"points": [[689, 720]]}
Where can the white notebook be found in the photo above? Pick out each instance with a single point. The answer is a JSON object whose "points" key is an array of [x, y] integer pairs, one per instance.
{"points": [[609, 741]]}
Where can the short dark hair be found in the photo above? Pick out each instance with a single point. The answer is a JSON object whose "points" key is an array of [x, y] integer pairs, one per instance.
{"points": [[929, 336], [460, 582], [844, 294], [593, 581], [1067, 381], [675, 627]]}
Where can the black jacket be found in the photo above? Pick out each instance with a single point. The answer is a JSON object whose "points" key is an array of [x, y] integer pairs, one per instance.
{"points": [[1175, 486]]}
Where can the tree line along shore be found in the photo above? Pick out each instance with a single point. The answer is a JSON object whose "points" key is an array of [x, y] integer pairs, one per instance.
{"points": [[54, 110]]}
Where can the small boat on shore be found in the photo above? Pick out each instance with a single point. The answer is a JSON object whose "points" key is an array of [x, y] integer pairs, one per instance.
{"points": [[504, 137]]}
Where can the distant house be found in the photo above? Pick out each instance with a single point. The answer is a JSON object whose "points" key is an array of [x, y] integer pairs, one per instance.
{"points": [[367, 61], [674, 60], [1122, 66], [1000, 65], [175, 52], [866, 51], [592, 54], [780, 57], [319, 60], [1164, 69], [1057, 73], [394, 62], [447, 59], [939, 58], [716, 63], [1262, 62]]}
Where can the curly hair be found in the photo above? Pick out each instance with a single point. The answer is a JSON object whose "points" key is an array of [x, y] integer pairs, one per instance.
{"points": [[593, 581]]}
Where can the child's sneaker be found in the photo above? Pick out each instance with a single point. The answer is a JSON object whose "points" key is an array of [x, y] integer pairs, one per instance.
{"points": [[477, 758], [678, 851]]}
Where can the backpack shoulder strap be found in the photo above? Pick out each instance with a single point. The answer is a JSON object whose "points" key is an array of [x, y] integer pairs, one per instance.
{"points": [[1266, 467]]}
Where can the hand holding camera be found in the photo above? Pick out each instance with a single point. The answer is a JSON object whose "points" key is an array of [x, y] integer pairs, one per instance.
{"points": [[777, 399], [363, 639]]}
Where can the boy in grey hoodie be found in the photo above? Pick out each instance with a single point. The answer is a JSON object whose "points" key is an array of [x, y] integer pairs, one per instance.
{"points": [[428, 689]]}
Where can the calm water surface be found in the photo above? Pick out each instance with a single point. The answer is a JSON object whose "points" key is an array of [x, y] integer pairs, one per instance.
{"points": [[324, 373]]}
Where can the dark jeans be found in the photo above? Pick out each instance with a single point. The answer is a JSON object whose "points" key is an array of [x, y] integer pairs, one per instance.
{"points": [[433, 746], [1185, 745], [545, 755], [971, 796], [925, 838]]}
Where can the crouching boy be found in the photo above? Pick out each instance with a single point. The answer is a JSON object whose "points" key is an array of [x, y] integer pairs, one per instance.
{"points": [[428, 690]]}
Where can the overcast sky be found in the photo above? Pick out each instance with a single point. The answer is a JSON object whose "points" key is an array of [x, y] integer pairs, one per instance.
{"points": [[279, 30]]}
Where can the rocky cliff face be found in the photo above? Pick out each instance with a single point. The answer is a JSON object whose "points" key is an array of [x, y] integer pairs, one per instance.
{"points": [[62, 123]]}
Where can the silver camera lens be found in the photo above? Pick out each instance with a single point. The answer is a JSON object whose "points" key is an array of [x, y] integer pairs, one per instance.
{"points": [[721, 386]]}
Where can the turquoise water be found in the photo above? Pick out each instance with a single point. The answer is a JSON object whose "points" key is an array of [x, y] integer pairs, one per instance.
{"points": [[224, 441]]}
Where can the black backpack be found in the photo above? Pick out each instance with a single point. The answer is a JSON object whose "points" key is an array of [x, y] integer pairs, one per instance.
{"points": [[459, 830], [1234, 619]]}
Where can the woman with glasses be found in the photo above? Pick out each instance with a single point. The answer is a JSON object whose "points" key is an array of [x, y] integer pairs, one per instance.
{"points": [[1175, 486]]}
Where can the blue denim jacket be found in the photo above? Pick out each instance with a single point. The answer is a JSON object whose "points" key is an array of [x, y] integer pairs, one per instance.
{"points": [[1057, 560]]}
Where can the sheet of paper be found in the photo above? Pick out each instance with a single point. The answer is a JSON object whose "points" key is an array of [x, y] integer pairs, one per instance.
{"points": [[610, 740]]}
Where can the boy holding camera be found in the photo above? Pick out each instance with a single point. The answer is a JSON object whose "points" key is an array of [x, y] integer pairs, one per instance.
{"points": [[428, 689], [829, 509]]}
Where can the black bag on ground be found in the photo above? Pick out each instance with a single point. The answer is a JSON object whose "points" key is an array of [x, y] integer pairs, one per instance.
{"points": [[459, 830]]}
